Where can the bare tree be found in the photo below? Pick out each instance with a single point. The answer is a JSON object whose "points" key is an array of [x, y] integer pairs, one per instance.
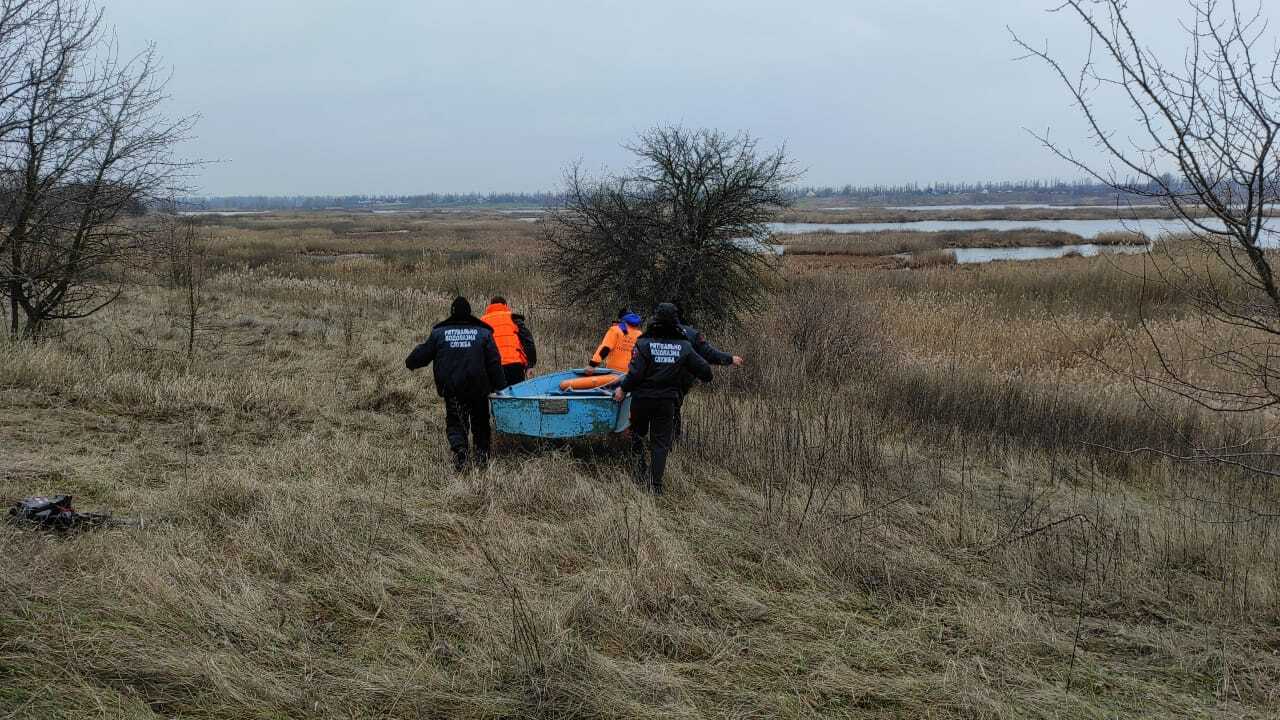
{"points": [[1204, 145], [180, 256], [83, 146], [684, 225]]}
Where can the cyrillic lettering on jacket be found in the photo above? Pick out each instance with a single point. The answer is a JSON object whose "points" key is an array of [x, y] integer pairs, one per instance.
{"points": [[664, 353], [460, 337]]}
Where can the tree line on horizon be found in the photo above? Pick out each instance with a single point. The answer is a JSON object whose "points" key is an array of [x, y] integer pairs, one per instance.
{"points": [[886, 193]]}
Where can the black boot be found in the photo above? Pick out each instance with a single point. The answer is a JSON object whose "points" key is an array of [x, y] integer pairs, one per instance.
{"points": [[459, 460]]}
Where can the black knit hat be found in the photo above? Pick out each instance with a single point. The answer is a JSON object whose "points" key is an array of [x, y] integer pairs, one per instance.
{"points": [[460, 307], [666, 314]]}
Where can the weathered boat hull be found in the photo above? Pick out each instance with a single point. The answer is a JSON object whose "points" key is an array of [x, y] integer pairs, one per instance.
{"points": [[539, 408]]}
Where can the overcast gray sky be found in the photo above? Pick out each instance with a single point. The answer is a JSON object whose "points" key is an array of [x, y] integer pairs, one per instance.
{"points": [[408, 96]]}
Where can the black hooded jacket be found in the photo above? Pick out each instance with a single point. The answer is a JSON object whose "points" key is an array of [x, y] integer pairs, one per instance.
{"points": [[712, 354], [466, 359], [526, 339], [663, 363], [709, 352]]}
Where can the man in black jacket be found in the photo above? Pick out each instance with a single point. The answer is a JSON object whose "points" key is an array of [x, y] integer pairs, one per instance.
{"points": [[661, 364], [467, 369], [709, 352]]}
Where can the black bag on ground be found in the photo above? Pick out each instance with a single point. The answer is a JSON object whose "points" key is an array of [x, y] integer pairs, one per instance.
{"points": [[53, 512]]}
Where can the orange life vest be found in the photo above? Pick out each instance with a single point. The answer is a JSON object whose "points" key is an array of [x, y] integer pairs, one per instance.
{"points": [[505, 334], [620, 345]]}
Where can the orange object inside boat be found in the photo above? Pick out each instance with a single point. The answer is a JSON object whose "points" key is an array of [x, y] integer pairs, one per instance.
{"points": [[588, 382]]}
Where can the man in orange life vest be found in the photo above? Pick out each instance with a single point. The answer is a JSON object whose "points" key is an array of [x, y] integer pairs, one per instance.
{"points": [[514, 340], [615, 349]]}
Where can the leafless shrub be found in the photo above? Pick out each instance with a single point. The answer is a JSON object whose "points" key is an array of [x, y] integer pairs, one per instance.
{"points": [[680, 227]]}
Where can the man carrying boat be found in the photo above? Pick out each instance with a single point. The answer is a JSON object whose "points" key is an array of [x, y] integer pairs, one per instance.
{"points": [[515, 343], [467, 368], [662, 360], [615, 349], [708, 352]]}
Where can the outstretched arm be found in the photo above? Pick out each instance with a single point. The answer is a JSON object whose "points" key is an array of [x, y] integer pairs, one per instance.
{"points": [[709, 352], [698, 366]]}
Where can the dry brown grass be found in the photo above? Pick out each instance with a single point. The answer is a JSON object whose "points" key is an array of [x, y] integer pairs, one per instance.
{"points": [[930, 258], [888, 512]]}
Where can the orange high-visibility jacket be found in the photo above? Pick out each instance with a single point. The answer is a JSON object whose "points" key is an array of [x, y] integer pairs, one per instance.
{"points": [[505, 334], [615, 350]]}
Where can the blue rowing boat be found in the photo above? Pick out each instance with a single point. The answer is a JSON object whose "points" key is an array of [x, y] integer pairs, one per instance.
{"points": [[539, 408]]}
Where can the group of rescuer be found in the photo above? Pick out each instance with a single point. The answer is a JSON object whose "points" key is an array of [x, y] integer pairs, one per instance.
{"points": [[473, 357]]}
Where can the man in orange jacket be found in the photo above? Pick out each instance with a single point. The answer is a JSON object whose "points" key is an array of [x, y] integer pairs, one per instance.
{"points": [[619, 341], [513, 338]]}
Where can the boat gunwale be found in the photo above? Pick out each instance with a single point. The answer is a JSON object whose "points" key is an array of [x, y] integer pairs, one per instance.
{"points": [[505, 394]]}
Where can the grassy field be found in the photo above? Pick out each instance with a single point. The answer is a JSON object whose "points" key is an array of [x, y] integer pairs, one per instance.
{"points": [[900, 507]]}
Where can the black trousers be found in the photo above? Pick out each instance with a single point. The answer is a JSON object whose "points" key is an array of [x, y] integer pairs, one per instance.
{"points": [[677, 423], [654, 419], [514, 373], [462, 414]]}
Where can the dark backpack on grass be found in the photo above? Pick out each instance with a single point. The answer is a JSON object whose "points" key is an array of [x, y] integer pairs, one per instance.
{"points": [[54, 513]]}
